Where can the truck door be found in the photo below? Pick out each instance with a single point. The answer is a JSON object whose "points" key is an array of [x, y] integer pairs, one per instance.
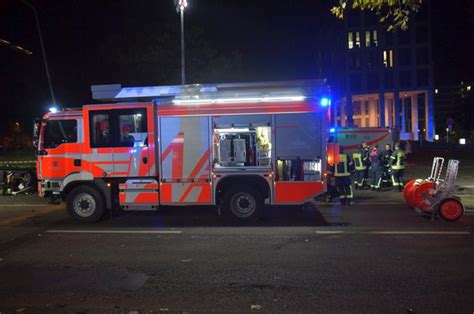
{"points": [[59, 148], [131, 154], [119, 142], [185, 160]]}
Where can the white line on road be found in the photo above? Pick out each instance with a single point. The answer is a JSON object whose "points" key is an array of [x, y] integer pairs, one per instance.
{"points": [[378, 203], [394, 232], [22, 205], [329, 231], [422, 232], [322, 232], [362, 203], [116, 231]]}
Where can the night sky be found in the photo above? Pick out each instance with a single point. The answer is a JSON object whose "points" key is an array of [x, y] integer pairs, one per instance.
{"points": [[137, 43]]}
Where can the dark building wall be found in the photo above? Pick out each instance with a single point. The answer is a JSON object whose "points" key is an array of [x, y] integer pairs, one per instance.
{"points": [[455, 110], [372, 61]]}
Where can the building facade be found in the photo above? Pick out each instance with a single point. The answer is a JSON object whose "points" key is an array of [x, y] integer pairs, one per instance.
{"points": [[455, 111], [385, 78]]}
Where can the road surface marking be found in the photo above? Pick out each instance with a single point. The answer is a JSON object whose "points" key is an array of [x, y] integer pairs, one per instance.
{"points": [[360, 203], [421, 232], [116, 231], [378, 203], [329, 231], [394, 232], [22, 205]]}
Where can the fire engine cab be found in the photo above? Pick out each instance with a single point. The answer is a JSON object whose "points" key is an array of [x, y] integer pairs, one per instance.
{"points": [[236, 146]]}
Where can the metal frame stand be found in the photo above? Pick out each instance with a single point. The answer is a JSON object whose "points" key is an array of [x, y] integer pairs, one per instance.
{"points": [[444, 189]]}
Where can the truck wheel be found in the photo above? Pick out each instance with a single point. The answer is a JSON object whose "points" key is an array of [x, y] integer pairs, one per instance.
{"points": [[243, 204], [85, 204]]}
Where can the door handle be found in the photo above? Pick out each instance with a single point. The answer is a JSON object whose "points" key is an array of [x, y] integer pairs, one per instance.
{"points": [[145, 160]]}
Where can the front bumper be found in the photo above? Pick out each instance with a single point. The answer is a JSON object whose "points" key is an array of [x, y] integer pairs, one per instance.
{"points": [[49, 187]]}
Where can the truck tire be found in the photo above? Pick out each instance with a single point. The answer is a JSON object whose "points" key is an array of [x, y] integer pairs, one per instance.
{"points": [[243, 204], [85, 204]]}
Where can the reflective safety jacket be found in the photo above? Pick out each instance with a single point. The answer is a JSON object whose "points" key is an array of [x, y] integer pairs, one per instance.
{"points": [[360, 160], [397, 160], [386, 154], [344, 167]]}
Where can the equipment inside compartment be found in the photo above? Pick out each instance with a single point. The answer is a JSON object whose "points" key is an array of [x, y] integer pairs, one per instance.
{"points": [[240, 147]]}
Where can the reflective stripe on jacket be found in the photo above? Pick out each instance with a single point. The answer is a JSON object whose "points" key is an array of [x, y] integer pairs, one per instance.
{"points": [[360, 161], [342, 168], [397, 160]]}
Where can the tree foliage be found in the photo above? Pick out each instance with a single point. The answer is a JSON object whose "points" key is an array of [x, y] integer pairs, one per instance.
{"points": [[394, 13]]}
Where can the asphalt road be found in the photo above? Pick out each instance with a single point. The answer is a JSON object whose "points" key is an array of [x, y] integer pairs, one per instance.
{"points": [[376, 256]]}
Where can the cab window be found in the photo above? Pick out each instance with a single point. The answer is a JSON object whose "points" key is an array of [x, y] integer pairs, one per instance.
{"points": [[100, 130], [132, 127], [118, 128], [58, 132]]}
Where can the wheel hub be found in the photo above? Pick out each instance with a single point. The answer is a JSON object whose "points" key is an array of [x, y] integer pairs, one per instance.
{"points": [[84, 205], [243, 205]]}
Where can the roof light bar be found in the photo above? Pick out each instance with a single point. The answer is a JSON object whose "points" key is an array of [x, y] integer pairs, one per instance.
{"points": [[237, 100]]}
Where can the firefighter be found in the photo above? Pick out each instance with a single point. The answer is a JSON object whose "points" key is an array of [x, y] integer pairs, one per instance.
{"points": [[376, 169], [361, 159], [397, 165], [386, 154], [342, 175]]}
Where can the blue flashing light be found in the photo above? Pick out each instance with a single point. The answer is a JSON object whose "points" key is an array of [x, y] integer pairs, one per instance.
{"points": [[325, 102], [332, 130]]}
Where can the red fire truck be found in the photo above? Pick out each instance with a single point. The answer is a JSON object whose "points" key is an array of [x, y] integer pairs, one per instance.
{"points": [[236, 146]]}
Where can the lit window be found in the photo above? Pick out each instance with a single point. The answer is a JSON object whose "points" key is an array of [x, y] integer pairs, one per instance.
{"points": [[367, 38], [375, 39], [357, 39], [388, 58], [350, 42]]}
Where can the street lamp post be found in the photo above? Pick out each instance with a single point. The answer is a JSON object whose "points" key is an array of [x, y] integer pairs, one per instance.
{"points": [[180, 6], [45, 61]]}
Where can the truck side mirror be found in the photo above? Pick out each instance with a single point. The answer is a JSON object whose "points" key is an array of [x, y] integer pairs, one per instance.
{"points": [[36, 130]]}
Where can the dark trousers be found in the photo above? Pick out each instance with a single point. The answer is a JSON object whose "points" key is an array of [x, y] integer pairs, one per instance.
{"points": [[344, 187], [386, 177], [376, 178], [397, 178], [361, 178]]}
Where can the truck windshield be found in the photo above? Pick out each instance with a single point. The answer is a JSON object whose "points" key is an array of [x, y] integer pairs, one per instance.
{"points": [[57, 132]]}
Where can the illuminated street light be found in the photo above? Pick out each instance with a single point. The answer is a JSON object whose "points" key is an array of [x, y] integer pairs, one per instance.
{"points": [[180, 6], [45, 61]]}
